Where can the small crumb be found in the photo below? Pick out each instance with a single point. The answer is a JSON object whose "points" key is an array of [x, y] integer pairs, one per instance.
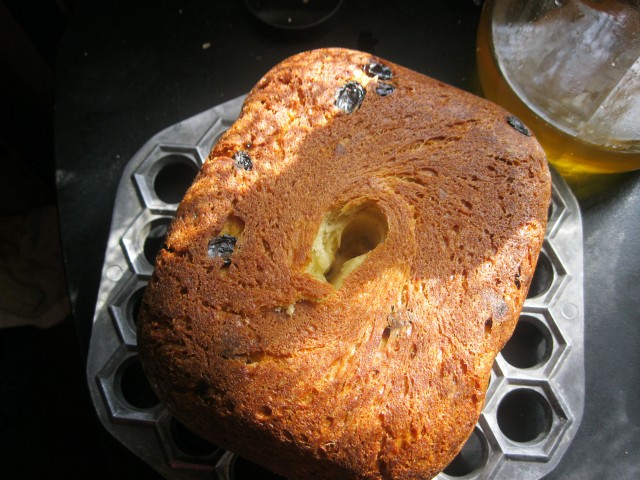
{"points": [[289, 20], [86, 54], [206, 45], [179, 11]]}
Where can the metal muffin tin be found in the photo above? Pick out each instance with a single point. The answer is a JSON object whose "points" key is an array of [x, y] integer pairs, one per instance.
{"points": [[535, 400]]}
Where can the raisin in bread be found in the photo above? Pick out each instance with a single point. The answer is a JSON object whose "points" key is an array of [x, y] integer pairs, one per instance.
{"points": [[344, 269]]}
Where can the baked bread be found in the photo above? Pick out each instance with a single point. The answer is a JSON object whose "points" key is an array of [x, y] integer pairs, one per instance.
{"points": [[340, 276]]}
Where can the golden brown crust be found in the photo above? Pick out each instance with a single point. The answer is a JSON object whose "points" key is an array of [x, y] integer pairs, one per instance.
{"points": [[385, 376]]}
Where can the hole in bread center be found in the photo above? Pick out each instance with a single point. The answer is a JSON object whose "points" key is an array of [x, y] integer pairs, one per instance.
{"points": [[344, 240]]}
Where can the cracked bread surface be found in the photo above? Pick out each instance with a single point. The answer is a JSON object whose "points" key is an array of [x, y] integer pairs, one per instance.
{"points": [[339, 278]]}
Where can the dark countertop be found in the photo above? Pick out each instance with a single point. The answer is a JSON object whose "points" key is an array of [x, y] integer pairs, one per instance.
{"points": [[127, 70]]}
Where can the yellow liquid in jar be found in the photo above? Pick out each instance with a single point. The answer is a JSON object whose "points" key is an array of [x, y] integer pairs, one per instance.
{"points": [[572, 156]]}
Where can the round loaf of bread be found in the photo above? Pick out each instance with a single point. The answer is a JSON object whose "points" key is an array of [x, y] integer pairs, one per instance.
{"points": [[339, 278]]}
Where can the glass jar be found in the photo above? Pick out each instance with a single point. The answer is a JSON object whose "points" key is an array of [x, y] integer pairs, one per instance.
{"points": [[571, 71]]}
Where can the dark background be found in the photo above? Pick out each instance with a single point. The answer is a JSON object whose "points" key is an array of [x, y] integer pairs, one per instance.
{"points": [[47, 427], [83, 85]]}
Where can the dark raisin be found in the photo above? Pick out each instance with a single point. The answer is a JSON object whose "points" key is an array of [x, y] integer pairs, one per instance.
{"points": [[500, 308], [243, 160], [350, 97], [516, 123], [377, 69], [384, 89], [222, 247]]}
